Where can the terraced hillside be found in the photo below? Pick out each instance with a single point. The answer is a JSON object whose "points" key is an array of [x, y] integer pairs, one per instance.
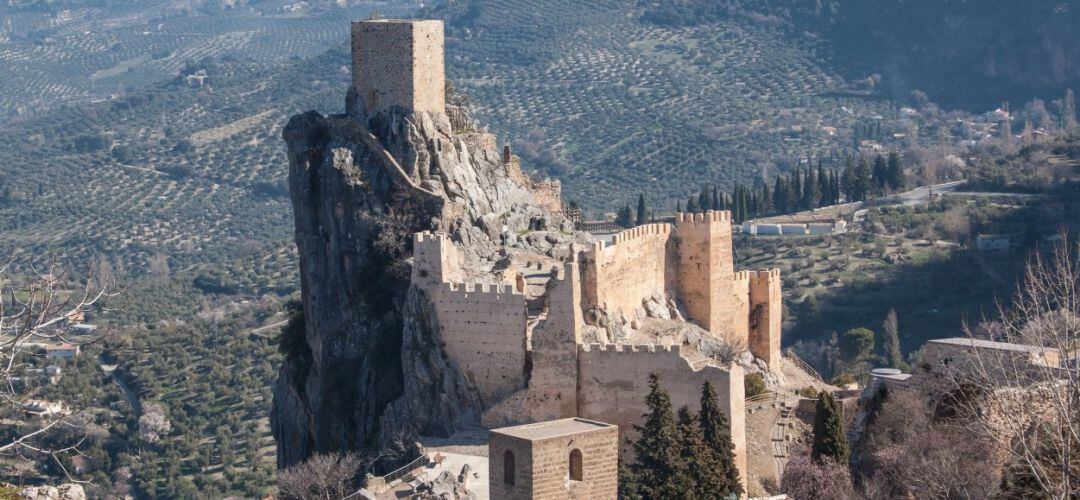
{"points": [[83, 51], [613, 105]]}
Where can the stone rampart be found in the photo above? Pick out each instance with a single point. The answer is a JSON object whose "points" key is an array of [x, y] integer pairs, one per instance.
{"points": [[613, 381], [706, 269], [766, 316], [636, 266], [482, 328]]}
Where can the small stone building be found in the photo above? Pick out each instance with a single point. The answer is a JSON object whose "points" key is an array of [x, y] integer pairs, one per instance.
{"points": [[571, 458]]}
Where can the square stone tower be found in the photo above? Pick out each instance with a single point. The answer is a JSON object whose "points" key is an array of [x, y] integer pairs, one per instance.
{"points": [[572, 458], [399, 62]]}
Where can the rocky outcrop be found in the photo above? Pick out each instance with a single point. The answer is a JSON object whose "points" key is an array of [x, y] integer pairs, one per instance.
{"points": [[365, 370], [62, 492]]}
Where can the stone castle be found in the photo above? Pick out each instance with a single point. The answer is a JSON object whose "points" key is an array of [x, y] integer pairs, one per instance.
{"points": [[575, 332]]}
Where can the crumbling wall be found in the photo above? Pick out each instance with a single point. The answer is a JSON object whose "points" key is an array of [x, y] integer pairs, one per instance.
{"points": [[552, 391], [633, 268], [547, 192], [613, 381]]}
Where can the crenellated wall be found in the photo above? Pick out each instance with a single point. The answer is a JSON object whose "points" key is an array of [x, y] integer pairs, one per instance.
{"points": [[482, 327], [635, 266], [705, 274], [613, 381], [435, 259]]}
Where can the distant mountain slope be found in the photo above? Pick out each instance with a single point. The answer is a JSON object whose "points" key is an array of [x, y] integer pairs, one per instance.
{"points": [[964, 53], [613, 105]]}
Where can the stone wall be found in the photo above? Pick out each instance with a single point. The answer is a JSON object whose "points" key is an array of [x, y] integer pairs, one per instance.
{"points": [[399, 63], [542, 466], [547, 193], [435, 259], [633, 268], [482, 327], [706, 271], [614, 380], [766, 316]]}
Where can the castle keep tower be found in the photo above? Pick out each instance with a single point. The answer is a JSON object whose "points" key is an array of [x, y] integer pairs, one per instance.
{"points": [[399, 62]]}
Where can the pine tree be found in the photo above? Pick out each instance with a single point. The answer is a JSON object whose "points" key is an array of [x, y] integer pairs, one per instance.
{"points": [[717, 436], [701, 461], [641, 211], [660, 471], [829, 440], [678, 206]]}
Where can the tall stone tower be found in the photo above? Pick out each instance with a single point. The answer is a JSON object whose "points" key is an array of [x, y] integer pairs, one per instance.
{"points": [[399, 62]]}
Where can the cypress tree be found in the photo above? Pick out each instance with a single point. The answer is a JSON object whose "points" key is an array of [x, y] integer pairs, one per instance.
{"points": [[641, 209], [691, 204], [704, 200], [660, 471], [716, 203], [717, 436], [823, 186], [829, 440], [766, 199], [796, 188], [880, 174], [836, 187], [778, 196], [701, 461], [894, 172], [678, 206]]}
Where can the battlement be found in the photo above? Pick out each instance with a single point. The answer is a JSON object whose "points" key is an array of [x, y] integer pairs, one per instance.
{"points": [[399, 63], [481, 291], [629, 348], [661, 229], [765, 274], [429, 237], [710, 216]]}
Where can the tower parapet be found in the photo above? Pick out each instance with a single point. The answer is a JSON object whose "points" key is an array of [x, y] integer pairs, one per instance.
{"points": [[706, 269], [398, 63]]}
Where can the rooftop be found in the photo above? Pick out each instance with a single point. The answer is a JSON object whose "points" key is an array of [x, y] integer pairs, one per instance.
{"points": [[552, 428], [401, 21], [990, 344]]}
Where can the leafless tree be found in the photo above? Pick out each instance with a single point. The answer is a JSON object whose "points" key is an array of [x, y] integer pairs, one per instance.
{"points": [[33, 308], [323, 476], [956, 225], [1028, 396], [805, 477]]}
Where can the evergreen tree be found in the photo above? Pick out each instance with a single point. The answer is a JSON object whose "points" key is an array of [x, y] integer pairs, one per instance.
{"points": [[879, 174], [704, 200], [624, 218], [660, 471], [835, 187], [691, 204], [701, 461], [847, 181], [1068, 121], [894, 172], [823, 186], [863, 179], [766, 200], [641, 211], [796, 189], [779, 198], [810, 190], [717, 436], [678, 206], [890, 328], [716, 203], [829, 440]]}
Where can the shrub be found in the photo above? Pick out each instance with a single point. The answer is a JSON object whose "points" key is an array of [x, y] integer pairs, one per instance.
{"points": [[755, 385]]}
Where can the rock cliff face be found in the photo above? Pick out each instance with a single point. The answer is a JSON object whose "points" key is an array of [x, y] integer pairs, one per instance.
{"points": [[365, 370]]}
